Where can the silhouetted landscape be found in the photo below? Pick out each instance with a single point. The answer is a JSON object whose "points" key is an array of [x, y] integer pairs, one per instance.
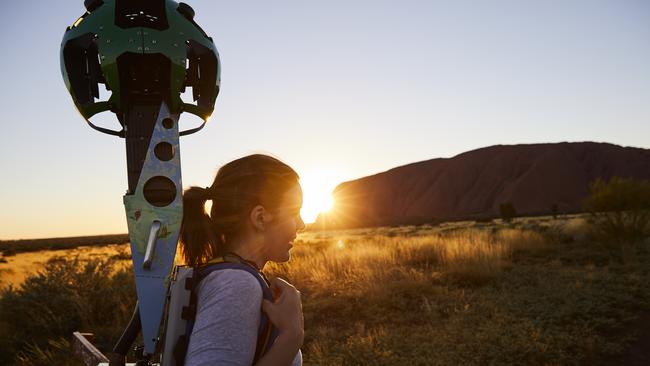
{"points": [[535, 179]]}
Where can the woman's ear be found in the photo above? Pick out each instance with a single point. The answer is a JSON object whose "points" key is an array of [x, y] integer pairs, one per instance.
{"points": [[259, 216]]}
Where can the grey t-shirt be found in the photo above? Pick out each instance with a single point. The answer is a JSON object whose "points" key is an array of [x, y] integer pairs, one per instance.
{"points": [[229, 304]]}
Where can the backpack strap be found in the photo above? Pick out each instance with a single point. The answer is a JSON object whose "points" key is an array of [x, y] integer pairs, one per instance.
{"points": [[267, 332]]}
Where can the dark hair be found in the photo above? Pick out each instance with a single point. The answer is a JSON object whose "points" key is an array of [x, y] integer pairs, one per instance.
{"points": [[238, 187]]}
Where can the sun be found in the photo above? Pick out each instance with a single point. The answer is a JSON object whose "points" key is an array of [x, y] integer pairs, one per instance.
{"points": [[314, 203], [317, 187]]}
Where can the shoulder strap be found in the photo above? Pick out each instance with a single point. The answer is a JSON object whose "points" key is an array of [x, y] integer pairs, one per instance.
{"points": [[266, 334]]}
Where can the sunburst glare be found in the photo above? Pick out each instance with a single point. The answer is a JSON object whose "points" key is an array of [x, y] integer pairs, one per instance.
{"points": [[317, 187]]}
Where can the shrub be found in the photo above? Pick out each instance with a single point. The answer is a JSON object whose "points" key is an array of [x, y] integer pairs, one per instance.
{"points": [[554, 210], [620, 209], [66, 296], [9, 252], [507, 211]]}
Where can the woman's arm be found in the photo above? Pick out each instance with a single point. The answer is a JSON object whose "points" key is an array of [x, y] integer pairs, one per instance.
{"points": [[283, 352], [286, 314]]}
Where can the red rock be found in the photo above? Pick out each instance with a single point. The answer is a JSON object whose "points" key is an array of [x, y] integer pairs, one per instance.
{"points": [[473, 184]]}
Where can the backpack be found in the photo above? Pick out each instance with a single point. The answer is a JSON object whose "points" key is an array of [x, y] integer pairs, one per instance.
{"points": [[183, 302]]}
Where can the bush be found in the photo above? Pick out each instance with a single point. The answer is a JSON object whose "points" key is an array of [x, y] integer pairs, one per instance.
{"points": [[67, 296], [507, 211], [554, 210], [620, 210]]}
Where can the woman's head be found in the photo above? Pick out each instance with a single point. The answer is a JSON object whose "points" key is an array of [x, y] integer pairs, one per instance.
{"points": [[256, 192]]}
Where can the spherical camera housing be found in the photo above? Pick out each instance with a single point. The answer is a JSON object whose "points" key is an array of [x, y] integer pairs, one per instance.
{"points": [[145, 52]]}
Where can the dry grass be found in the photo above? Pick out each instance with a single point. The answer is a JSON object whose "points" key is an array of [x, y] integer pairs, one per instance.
{"points": [[458, 294], [533, 291], [10, 247], [576, 228], [342, 262], [18, 267]]}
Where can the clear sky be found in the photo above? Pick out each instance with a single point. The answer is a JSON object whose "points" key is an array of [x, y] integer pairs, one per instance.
{"points": [[337, 89]]}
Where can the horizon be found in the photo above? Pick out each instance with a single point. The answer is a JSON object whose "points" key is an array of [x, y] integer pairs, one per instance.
{"points": [[337, 90], [311, 224]]}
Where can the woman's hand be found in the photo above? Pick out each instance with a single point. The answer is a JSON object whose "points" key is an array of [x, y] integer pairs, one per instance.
{"points": [[286, 312]]}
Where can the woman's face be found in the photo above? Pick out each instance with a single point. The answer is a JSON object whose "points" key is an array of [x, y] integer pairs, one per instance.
{"points": [[283, 228]]}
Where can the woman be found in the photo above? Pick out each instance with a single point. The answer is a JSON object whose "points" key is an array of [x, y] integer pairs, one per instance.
{"points": [[255, 216]]}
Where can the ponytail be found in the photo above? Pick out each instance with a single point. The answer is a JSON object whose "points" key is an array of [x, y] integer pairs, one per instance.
{"points": [[199, 238]]}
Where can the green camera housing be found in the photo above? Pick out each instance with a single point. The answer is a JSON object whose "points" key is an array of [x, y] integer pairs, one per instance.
{"points": [[144, 52]]}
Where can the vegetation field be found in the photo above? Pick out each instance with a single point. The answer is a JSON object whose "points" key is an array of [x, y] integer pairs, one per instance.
{"points": [[15, 268], [10, 247], [538, 291]]}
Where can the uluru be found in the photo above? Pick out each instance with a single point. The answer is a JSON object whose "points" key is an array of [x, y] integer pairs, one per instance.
{"points": [[535, 178]]}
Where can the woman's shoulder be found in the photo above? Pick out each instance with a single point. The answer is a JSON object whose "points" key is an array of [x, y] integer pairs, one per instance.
{"points": [[228, 280]]}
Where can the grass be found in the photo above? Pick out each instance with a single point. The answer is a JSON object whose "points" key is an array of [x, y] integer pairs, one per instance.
{"points": [[532, 291], [18, 267], [11, 247]]}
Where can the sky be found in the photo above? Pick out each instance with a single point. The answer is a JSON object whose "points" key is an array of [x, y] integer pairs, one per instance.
{"points": [[337, 89]]}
